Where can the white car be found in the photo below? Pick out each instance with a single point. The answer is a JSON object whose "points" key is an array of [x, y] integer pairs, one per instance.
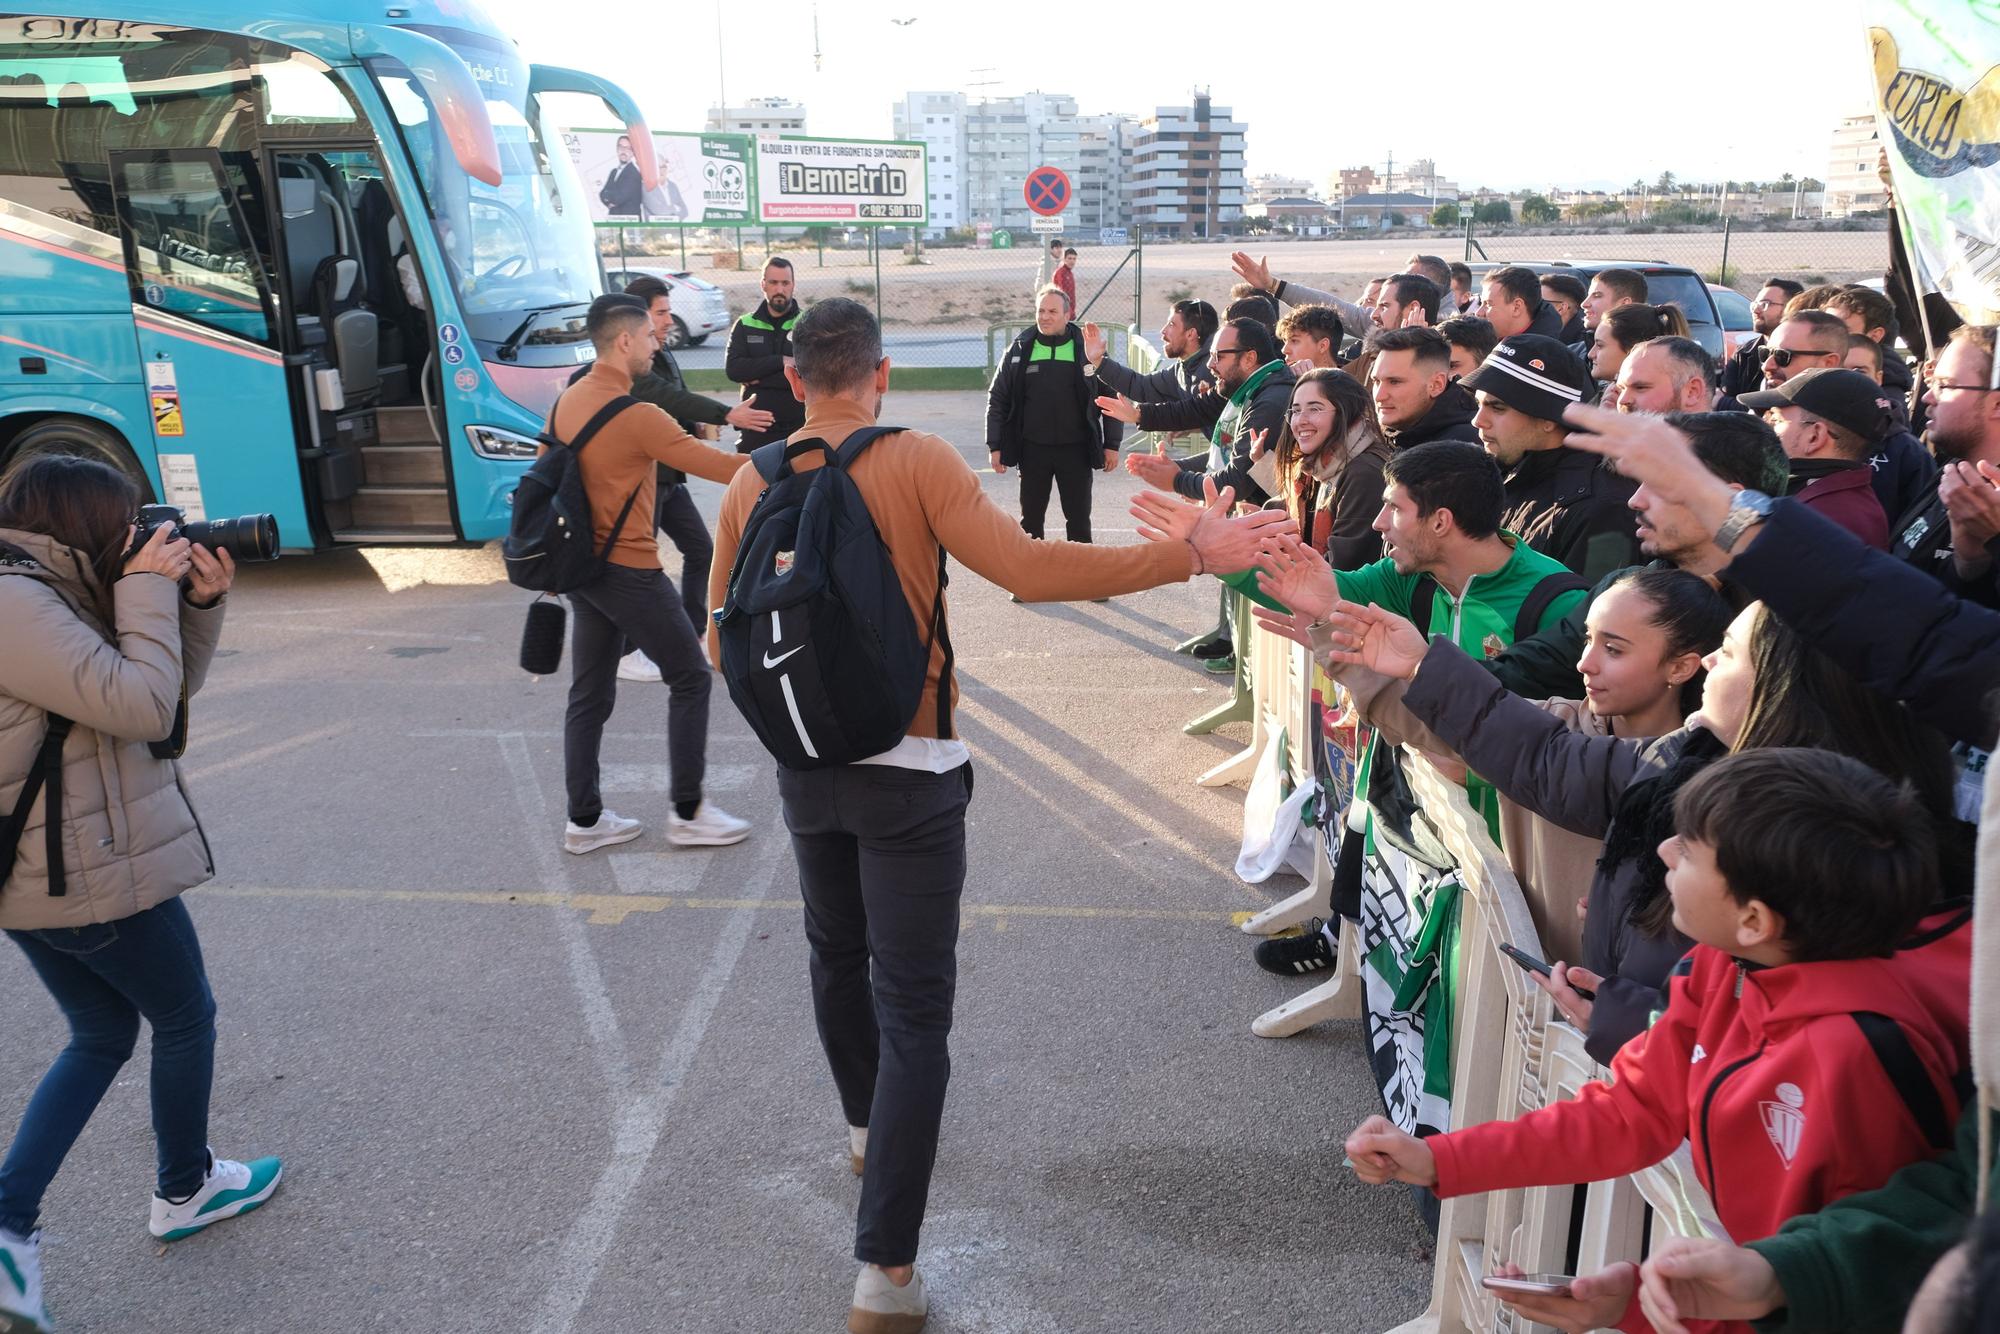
{"points": [[700, 308], [1737, 325]]}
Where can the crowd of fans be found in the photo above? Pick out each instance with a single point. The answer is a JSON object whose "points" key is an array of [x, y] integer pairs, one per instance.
{"points": [[1712, 647]]}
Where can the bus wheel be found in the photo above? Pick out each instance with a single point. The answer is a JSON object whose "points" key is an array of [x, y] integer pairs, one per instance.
{"points": [[84, 439]]}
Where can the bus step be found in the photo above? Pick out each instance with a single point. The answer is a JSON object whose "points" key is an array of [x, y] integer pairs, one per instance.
{"points": [[402, 465], [404, 426], [388, 509], [361, 537]]}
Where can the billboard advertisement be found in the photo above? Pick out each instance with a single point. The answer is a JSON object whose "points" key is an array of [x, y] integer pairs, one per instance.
{"points": [[856, 182], [704, 179]]}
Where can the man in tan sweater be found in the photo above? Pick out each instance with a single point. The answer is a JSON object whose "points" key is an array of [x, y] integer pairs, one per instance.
{"points": [[632, 600], [880, 843]]}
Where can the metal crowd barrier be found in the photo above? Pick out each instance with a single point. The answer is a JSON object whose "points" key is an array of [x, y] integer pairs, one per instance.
{"points": [[1511, 1053]]}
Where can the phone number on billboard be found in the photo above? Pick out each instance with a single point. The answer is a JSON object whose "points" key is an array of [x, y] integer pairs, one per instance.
{"points": [[892, 211]]}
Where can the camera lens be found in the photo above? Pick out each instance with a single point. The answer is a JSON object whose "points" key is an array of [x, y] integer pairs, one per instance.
{"points": [[250, 537]]}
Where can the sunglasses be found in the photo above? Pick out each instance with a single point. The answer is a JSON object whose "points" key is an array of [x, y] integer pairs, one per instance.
{"points": [[1785, 356]]}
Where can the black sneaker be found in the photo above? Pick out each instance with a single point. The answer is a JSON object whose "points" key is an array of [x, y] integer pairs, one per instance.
{"points": [[1289, 956], [1220, 647]]}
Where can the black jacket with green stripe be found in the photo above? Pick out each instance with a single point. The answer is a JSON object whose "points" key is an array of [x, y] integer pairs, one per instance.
{"points": [[758, 345], [1006, 405]]}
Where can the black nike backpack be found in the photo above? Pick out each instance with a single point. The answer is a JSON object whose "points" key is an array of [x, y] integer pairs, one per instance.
{"points": [[549, 546], [819, 649]]}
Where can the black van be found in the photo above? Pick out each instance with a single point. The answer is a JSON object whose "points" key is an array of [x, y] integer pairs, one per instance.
{"points": [[1666, 285]]}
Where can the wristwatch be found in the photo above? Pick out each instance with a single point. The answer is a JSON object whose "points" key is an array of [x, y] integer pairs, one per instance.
{"points": [[1746, 508]]}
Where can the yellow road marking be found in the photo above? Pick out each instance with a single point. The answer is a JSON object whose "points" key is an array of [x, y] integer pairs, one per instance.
{"points": [[612, 909]]}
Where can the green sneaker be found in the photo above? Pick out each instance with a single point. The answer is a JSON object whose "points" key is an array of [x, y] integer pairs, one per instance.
{"points": [[21, 1309], [1223, 666], [231, 1189]]}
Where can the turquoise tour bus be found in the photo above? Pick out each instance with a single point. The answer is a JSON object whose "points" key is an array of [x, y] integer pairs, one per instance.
{"points": [[312, 257]]}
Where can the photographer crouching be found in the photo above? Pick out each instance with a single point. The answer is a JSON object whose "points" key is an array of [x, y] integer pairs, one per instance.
{"points": [[106, 639]]}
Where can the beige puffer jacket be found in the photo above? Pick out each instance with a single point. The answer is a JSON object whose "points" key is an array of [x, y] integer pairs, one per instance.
{"points": [[130, 836]]}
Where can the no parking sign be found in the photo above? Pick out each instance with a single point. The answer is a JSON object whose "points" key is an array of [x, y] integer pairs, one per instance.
{"points": [[1047, 191]]}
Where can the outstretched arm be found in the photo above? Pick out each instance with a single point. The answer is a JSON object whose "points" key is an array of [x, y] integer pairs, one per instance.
{"points": [[1896, 629]]}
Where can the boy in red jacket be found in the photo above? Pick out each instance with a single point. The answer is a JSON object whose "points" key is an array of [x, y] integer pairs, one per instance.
{"points": [[1799, 1064]]}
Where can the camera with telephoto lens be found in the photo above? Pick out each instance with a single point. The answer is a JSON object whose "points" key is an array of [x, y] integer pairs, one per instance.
{"points": [[251, 537]]}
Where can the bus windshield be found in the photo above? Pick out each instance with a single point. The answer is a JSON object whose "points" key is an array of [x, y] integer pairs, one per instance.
{"points": [[523, 245]]}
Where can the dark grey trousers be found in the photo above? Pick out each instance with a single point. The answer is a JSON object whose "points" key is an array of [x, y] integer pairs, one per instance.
{"points": [[675, 515], [881, 854], [627, 604]]}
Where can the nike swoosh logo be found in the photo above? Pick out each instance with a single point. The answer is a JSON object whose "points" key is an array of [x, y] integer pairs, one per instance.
{"points": [[770, 661]]}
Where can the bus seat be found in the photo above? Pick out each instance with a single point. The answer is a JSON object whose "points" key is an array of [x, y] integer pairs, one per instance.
{"points": [[336, 286], [380, 234], [352, 331], [354, 353], [310, 231]]}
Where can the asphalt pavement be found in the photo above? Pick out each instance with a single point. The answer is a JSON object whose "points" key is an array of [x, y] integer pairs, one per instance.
{"points": [[516, 1089]]}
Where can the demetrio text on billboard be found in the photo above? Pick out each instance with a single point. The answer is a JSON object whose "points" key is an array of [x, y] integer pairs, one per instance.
{"points": [[795, 178]]}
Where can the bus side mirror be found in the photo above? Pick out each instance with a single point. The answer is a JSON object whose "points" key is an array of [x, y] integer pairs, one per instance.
{"points": [[454, 94], [557, 79]]}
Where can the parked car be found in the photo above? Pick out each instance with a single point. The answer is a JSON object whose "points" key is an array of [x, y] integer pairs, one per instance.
{"points": [[700, 308], [1666, 284], [1737, 325]]}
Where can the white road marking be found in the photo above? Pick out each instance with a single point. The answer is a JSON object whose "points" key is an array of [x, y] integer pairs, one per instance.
{"points": [[541, 832], [643, 1118], [675, 871], [659, 777], [236, 759]]}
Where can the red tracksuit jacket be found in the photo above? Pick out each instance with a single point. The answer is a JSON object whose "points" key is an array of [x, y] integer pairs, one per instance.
{"points": [[1793, 1085]]}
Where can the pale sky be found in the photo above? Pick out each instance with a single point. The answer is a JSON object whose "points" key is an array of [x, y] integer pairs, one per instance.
{"points": [[1527, 94]]}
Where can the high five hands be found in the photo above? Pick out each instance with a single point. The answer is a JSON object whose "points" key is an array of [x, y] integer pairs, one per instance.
{"points": [[1222, 545]]}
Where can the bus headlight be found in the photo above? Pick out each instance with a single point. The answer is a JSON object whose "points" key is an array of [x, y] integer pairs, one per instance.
{"points": [[490, 442]]}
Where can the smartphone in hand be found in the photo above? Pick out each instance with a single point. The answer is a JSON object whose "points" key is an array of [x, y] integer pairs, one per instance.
{"points": [[1529, 1285], [1526, 960]]}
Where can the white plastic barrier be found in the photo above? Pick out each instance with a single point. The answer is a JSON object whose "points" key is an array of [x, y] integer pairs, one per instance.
{"points": [[1511, 1057], [1281, 674], [1510, 1054]]}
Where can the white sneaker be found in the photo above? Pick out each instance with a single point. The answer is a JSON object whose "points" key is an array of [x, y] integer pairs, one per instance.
{"points": [[636, 666], [880, 1307], [21, 1309], [857, 1148], [711, 827], [231, 1189], [611, 827]]}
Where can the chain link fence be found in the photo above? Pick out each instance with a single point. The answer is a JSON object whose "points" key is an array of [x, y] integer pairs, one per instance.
{"points": [[1739, 255], [948, 309], [944, 307]]}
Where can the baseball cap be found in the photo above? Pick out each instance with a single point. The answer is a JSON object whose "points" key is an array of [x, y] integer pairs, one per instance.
{"points": [[1843, 397], [1534, 374]]}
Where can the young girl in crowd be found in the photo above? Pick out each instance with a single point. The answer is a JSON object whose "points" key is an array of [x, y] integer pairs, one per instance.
{"points": [[1644, 642], [1328, 467], [1625, 328], [1765, 688]]}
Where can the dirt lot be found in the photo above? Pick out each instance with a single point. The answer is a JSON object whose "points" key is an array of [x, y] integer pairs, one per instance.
{"points": [[966, 290]]}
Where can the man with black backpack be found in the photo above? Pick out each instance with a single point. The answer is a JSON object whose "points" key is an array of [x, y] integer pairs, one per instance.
{"points": [[826, 629], [618, 440]]}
